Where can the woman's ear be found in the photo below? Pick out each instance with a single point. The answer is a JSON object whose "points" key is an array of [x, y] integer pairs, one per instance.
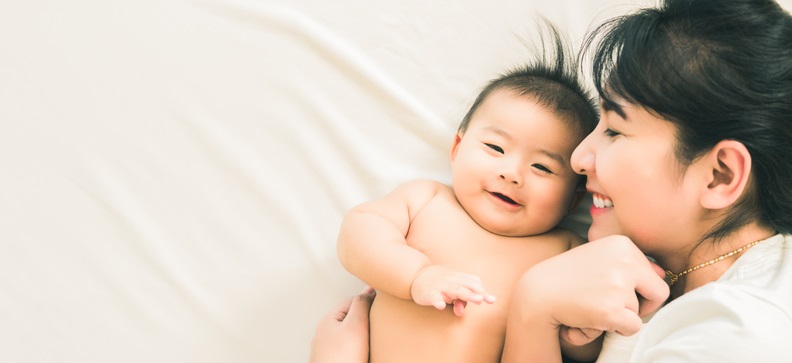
{"points": [[455, 145], [728, 170]]}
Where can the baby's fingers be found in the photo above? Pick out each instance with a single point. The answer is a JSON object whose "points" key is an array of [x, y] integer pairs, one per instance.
{"points": [[475, 296], [459, 307], [436, 299]]}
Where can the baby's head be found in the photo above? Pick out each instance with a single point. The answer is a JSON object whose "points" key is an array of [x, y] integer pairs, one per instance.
{"points": [[510, 158], [550, 85]]}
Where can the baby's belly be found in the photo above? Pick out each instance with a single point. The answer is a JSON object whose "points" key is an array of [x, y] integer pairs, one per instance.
{"points": [[402, 331]]}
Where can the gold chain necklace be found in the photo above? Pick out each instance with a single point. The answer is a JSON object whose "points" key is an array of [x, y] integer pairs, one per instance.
{"points": [[673, 278]]}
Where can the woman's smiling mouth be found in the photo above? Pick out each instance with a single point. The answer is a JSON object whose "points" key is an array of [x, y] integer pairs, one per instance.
{"points": [[601, 201]]}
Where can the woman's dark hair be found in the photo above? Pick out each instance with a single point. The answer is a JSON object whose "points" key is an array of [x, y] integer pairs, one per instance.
{"points": [[552, 80], [718, 70]]}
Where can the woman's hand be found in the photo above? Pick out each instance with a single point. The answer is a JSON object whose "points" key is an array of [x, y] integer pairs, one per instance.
{"points": [[607, 285], [603, 285], [582, 336], [343, 334]]}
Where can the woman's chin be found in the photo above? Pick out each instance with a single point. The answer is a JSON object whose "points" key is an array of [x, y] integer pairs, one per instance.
{"points": [[601, 228]]}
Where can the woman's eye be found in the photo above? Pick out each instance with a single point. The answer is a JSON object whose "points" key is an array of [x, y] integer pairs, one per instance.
{"points": [[611, 133], [543, 168], [495, 147]]}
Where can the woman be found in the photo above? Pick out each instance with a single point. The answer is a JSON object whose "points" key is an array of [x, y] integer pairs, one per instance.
{"points": [[689, 164]]}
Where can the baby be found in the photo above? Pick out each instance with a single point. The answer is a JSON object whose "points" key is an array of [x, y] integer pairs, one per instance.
{"points": [[431, 249]]}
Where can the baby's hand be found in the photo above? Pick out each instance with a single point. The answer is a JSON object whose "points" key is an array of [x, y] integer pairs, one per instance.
{"points": [[438, 286]]}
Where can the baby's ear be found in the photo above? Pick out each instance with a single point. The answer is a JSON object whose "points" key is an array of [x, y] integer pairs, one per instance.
{"points": [[728, 169], [455, 145]]}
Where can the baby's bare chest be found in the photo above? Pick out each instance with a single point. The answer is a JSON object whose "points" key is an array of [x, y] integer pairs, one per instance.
{"points": [[446, 234]]}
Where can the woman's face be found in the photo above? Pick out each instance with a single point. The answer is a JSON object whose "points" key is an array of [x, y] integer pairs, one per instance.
{"points": [[640, 190]]}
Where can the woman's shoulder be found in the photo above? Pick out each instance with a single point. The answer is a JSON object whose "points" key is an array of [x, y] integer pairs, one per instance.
{"points": [[715, 323], [719, 323], [757, 288], [744, 316], [766, 267]]}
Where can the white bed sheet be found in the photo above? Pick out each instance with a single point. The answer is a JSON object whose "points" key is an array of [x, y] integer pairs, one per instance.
{"points": [[173, 173]]}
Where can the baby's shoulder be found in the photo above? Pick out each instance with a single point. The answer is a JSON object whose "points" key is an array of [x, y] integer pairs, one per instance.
{"points": [[420, 192], [425, 187], [427, 184]]}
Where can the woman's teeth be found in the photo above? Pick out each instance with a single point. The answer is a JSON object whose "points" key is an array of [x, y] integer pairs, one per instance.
{"points": [[602, 202]]}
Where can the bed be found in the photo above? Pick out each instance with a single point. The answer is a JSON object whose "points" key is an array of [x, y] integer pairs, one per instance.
{"points": [[174, 172]]}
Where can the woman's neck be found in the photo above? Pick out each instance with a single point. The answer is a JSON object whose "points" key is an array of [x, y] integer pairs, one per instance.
{"points": [[708, 263]]}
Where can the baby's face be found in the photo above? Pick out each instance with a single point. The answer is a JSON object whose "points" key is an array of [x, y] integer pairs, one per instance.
{"points": [[511, 168]]}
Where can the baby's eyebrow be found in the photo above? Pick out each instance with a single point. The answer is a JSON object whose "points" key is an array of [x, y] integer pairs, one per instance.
{"points": [[498, 131], [555, 156], [551, 154]]}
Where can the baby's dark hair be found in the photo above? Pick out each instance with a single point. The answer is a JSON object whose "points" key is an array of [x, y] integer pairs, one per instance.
{"points": [[552, 80], [718, 70]]}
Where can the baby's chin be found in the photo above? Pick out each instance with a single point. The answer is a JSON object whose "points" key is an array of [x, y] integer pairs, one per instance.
{"points": [[514, 231]]}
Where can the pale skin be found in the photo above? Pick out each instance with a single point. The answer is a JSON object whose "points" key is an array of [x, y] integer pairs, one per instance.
{"points": [[607, 285], [630, 163], [342, 336], [445, 281]]}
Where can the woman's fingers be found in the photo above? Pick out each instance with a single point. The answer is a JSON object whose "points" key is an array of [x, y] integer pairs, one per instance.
{"points": [[626, 322], [357, 310], [653, 291], [579, 336], [602, 285], [341, 311], [342, 334]]}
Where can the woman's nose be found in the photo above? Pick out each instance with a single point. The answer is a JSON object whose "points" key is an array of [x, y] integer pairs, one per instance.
{"points": [[583, 157]]}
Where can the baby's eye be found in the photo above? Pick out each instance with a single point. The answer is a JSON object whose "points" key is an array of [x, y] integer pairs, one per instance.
{"points": [[611, 133], [542, 168], [495, 147]]}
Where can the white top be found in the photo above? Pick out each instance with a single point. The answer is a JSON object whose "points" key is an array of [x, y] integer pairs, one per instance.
{"points": [[745, 316]]}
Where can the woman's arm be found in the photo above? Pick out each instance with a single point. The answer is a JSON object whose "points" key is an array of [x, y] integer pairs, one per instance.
{"points": [[605, 285], [342, 336]]}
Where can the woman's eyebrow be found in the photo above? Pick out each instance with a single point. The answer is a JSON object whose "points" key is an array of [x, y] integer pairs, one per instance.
{"points": [[609, 105]]}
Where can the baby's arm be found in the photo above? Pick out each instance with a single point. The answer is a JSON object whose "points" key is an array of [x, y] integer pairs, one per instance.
{"points": [[372, 245]]}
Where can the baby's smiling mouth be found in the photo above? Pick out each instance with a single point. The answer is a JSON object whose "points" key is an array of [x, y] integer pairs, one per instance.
{"points": [[504, 198]]}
